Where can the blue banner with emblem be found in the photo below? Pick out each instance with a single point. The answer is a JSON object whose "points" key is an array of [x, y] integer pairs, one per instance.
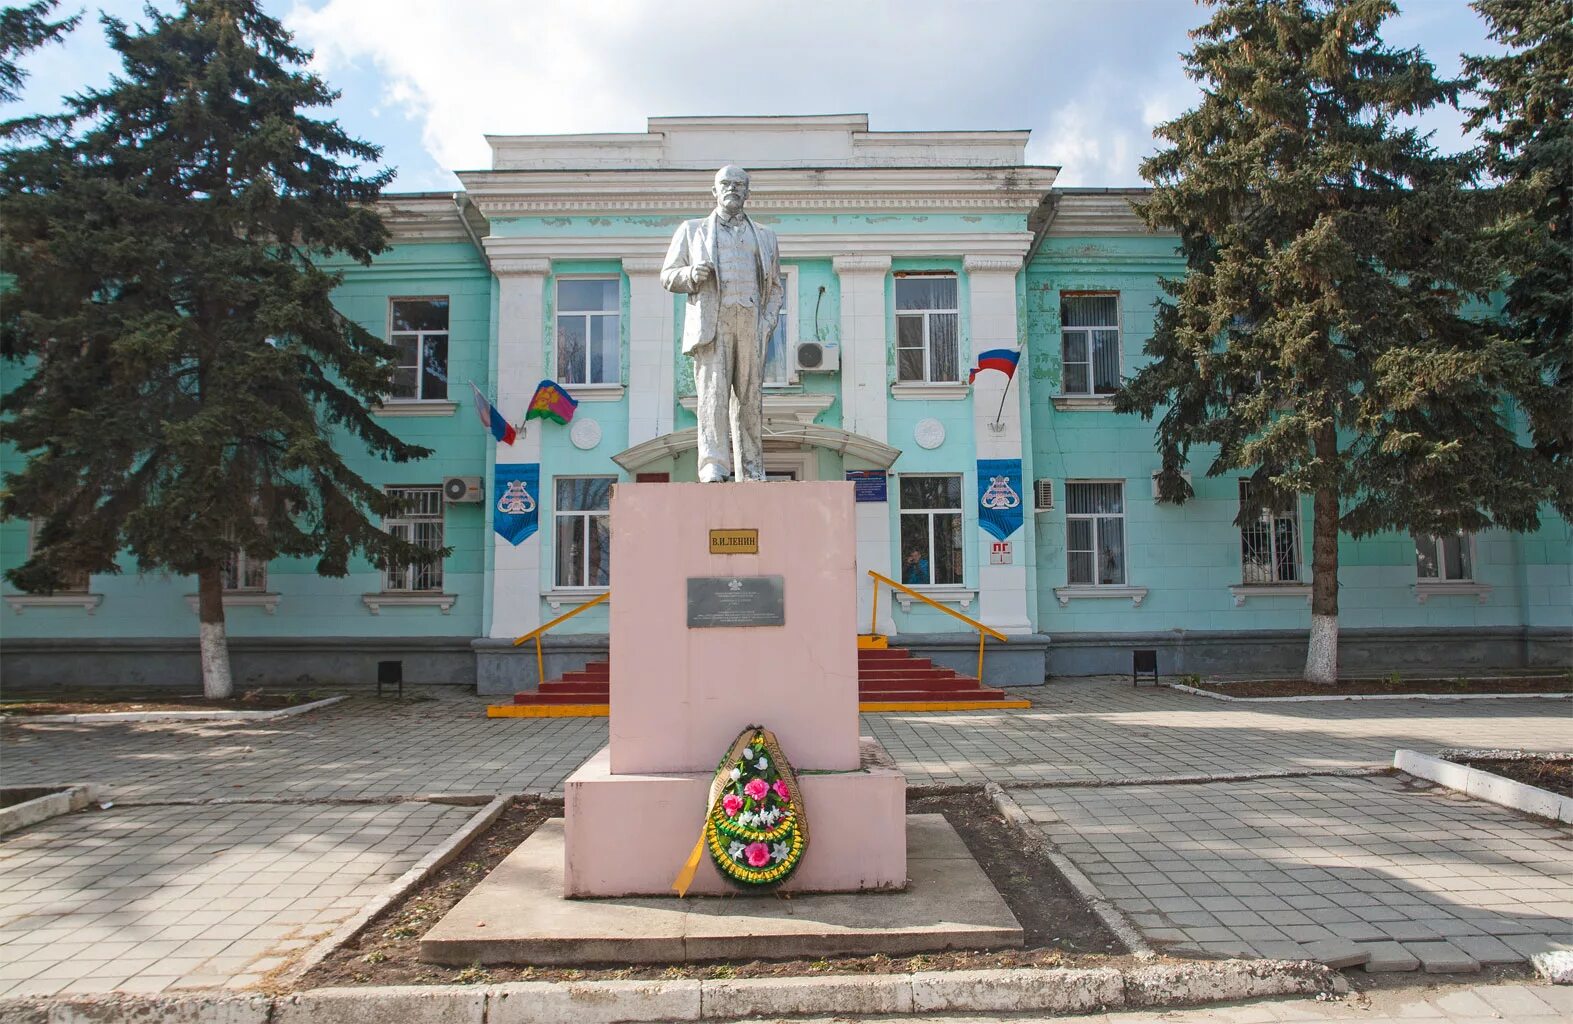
{"points": [[516, 500], [999, 496]]}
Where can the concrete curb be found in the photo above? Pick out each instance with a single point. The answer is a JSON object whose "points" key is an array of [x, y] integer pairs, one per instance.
{"points": [[1485, 786], [51, 805], [1182, 688], [1065, 990], [1112, 916], [423, 869], [176, 716]]}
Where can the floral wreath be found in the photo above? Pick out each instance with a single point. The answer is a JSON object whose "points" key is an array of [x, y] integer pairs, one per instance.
{"points": [[756, 828]]}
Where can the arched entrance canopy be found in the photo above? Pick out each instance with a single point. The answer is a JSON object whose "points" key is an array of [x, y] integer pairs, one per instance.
{"points": [[835, 439]]}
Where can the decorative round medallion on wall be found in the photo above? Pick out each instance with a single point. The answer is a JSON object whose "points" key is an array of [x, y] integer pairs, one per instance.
{"points": [[585, 434], [929, 433]]}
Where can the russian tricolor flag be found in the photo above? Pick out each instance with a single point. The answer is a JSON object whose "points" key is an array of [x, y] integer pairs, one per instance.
{"points": [[492, 418], [1002, 359]]}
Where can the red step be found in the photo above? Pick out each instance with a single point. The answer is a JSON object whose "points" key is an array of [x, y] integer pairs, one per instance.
{"points": [[891, 675]]}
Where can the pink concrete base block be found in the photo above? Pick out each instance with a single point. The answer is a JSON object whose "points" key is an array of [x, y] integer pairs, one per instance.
{"points": [[629, 835], [679, 696]]}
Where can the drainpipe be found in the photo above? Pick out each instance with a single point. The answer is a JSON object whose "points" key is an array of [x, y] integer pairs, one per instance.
{"points": [[461, 202], [1046, 206]]}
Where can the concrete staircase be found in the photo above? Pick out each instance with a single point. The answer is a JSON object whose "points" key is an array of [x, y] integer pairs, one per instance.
{"points": [[889, 679]]}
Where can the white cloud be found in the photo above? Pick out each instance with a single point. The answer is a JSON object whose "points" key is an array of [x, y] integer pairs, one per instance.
{"points": [[1090, 80]]}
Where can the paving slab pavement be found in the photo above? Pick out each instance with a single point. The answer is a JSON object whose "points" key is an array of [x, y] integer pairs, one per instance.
{"points": [[1080, 735], [148, 899], [1506, 1003], [1417, 875]]}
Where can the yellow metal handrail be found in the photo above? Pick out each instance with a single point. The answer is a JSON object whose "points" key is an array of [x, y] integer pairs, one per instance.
{"points": [[983, 631], [535, 634]]}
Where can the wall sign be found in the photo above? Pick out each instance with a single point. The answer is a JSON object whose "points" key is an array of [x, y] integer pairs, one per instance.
{"points": [[736, 601], [734, 542], [999, 496], [1001, 553], [868, 484], [515, 511]]}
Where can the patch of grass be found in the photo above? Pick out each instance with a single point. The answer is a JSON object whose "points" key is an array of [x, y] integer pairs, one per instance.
{"points": [[474, 974]]}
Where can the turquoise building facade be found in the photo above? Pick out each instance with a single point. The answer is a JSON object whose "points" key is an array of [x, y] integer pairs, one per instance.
{"points": [[1021, 501]]}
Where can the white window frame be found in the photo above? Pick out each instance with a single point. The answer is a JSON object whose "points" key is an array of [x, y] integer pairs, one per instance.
{"points": [[1097, 551], [1268, 518], [558, 316], [421, 338], [235, 569], [1466, 541], [792, 332], [414, 578], [1118, 327], [67, 588], [930, 514], [558, 514], [927, 317]]}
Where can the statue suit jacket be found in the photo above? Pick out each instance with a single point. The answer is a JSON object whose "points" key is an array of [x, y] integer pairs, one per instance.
{"points": [[693, 243]]}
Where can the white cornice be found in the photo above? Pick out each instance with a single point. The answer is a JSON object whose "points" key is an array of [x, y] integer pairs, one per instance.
{"points": [[1098, 213], [422, 218], [1005, 245], [687, 192]]}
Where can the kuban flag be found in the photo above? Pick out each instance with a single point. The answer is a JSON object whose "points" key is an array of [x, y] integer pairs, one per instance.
{"points": [[492, 418], [1002, 359], [551, 402]]}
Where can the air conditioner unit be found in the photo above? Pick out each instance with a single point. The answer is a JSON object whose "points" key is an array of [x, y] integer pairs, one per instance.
{"points": [[461, 488], [817, 357], [1043, 495], [1185, 475]]}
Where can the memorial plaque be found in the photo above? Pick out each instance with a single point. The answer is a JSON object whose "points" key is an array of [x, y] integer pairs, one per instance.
{"points": [[734, 542], [736, 601]]}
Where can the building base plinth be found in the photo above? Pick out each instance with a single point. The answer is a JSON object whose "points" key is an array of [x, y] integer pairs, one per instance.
{"points": [[517, 914]]}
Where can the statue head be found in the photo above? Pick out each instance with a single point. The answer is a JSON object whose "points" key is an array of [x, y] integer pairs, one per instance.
{"points": [[730, 189]]}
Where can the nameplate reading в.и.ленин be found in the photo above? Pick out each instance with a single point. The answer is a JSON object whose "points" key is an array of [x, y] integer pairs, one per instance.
{"points": [[734, 542]]}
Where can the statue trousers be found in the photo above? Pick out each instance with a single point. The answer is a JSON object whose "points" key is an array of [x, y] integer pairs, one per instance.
{"points": [[728, 377]]}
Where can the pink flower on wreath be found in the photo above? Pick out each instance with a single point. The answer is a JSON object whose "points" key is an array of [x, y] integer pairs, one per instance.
{"points": [[731, 804], [756, 788], [758, 854], [781, 790]]}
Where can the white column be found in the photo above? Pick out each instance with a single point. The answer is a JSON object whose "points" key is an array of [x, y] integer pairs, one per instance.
{"points": [[516, 568], [864, 394], [1002, 589], [651, 352]]}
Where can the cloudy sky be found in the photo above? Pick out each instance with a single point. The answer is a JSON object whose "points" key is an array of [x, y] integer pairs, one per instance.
{"points": [[428, 80]]}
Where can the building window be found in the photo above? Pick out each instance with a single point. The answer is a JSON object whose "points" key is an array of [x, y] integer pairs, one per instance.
{"points": [[1095, 533], [1269, 540], [1448, 558], [1090, 344], [589, 330], [931, 552], [243, 573], [780, 357], [420, 333], [74, 583], [584, 532], [418, 520], [927, 329]]}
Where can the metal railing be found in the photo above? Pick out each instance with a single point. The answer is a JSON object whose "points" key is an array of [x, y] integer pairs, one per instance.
{"points": [[536, 633], [983, 631]]}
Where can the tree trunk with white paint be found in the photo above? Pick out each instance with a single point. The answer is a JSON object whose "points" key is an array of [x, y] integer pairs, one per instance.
{"points": [[216, 682], [1321, 656]]}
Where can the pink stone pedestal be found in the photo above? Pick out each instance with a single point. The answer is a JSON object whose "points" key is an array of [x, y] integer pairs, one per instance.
{"points": [[680, 695]]}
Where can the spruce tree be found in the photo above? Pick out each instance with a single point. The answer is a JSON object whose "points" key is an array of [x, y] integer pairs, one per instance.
{"points": [[1525, 118], [22, 30], [1316, 341], [185, 382]]}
